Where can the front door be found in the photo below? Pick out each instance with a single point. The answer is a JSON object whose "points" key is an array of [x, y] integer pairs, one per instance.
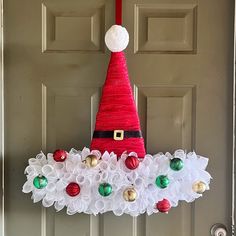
{"points": [[180, 64]]}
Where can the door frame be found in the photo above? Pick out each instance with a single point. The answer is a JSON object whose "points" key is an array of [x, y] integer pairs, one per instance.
{"points": [[2, 135], [233, 187], [2, 213]]}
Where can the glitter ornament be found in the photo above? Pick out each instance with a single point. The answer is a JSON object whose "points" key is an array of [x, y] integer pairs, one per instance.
{"points": [[199, 187], [60, 155], [176, 164], [132, 162], [105, 189], [163, 206], [40, 182], [73, 189], [129, 194], [162, 181], [91, 160]]}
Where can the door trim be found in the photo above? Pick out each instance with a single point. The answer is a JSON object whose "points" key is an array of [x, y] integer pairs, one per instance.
{"points": [[234, 133], [2, 215]]}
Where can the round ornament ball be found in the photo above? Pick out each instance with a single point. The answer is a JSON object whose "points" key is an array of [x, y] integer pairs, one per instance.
{"points": [[117, 38], [40, 182], [91, 160], [163, 206], [73, 189], [176, 164], [199, 187], [130, 195], [132, 162], [105, 189], [60, 155], [162, 181]]}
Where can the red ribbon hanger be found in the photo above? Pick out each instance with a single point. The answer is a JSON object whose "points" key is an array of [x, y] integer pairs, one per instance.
{"points": [[119, 12]]}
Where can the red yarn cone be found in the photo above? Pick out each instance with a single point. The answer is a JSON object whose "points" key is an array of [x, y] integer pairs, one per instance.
{"points": [[117, 114]]}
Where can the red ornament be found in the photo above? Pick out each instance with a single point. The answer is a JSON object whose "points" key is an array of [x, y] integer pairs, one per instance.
{"points": [[60, 155], [163, 206], [73, 189], [132, 162]]}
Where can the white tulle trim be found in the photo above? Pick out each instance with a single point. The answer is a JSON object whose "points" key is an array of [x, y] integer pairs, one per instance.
{"points": [[60, 174]]}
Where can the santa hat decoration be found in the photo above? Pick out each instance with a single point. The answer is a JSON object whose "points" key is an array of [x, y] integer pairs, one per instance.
{"points": [[117, 126], [116, 175]]}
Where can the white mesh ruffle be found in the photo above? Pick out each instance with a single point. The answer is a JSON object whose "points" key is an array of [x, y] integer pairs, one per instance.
{"points": [[114, 172]]}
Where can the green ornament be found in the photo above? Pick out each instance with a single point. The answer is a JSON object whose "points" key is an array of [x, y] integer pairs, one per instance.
{"points": [[40, 182], [105, 189], [162, 181], [176, 164]]}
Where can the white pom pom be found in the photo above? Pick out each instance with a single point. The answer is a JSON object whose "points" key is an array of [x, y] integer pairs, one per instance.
{"points": [[117, 38]]}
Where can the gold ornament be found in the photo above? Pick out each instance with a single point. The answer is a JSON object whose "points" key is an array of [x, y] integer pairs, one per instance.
{"points": [[130, 194], [91, 160], [199, 187]]}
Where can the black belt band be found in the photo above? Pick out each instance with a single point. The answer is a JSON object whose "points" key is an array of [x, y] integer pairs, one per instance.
{"points": [[119, 134]]}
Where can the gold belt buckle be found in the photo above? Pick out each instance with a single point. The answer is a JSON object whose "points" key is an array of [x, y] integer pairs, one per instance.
{"points": [[118, 134]]}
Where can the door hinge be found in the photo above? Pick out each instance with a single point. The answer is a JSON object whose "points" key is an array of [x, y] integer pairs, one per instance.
{"points": [[1, 14], [233, 230]]}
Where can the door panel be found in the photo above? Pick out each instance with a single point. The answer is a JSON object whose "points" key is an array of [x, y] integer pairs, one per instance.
{"points": [[170, 109], [170, 28], [72, 27], [180, 63]]}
